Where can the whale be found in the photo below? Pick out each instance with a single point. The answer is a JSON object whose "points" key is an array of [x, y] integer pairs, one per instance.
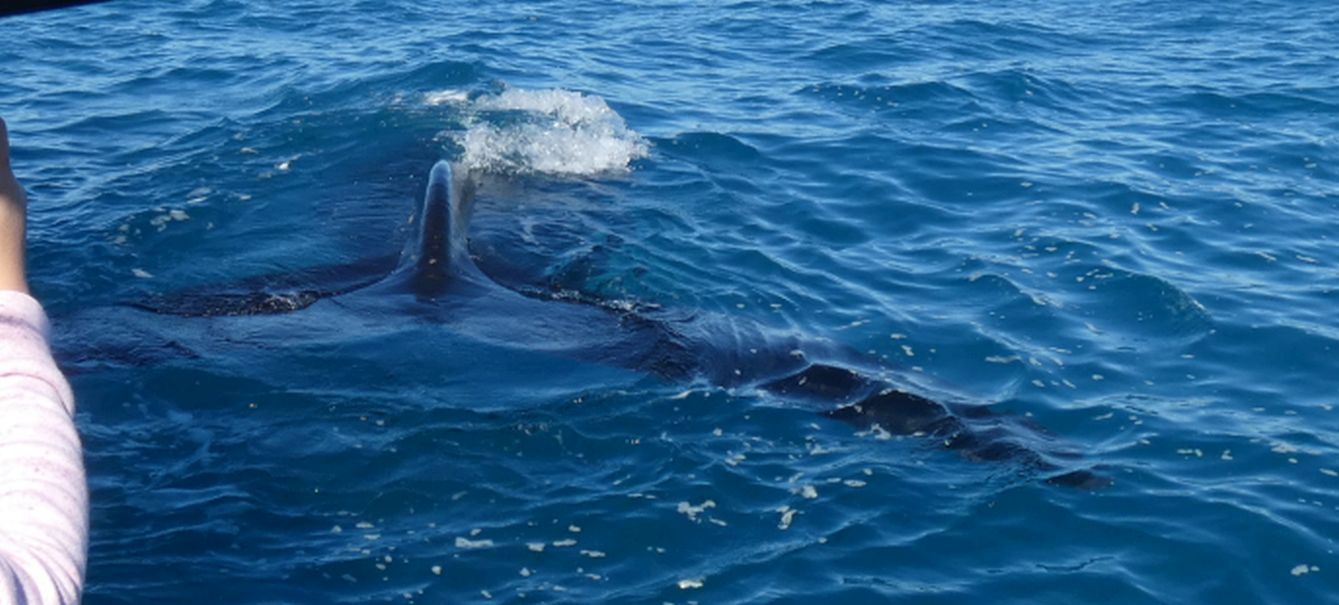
{"points": [[435, 281]]}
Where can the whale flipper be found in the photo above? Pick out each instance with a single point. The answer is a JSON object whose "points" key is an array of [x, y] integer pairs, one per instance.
{"points": [[974, 431]]}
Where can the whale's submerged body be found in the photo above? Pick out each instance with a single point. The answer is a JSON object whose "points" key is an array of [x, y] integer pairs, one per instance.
{"points": [[435, 280]]}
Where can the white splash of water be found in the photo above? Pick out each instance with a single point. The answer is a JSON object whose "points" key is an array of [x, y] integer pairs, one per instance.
{"points": [[552, 131], [443, 97]]}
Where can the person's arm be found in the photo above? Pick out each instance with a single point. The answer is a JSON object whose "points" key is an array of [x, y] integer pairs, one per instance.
{"points": [[43, 493], [13, 222]]}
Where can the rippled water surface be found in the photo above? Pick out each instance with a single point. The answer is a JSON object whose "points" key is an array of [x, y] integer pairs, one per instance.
{"points": [[1114, 226]]}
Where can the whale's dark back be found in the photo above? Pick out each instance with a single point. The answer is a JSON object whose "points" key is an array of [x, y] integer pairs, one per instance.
{"points": [[435, 260]]}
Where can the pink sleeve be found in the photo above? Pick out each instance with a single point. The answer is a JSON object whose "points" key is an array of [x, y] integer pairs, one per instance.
{"points": [[43, 494]]}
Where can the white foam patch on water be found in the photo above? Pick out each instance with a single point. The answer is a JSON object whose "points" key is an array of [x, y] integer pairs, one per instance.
{"points": [[550, 131], [444, 97]]}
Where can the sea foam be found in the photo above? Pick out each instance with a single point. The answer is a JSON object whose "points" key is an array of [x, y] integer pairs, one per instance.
{"points": [[550, 131]]}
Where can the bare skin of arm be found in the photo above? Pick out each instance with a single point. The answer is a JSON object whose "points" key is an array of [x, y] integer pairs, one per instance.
{"points": [[13, 222]]}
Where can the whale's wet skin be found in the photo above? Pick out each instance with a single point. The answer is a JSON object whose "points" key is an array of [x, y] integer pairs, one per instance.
{"points": [[435, 285]]}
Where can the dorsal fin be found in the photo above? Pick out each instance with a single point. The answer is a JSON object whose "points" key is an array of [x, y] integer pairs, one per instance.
{"points": [[436, 254], [435, 257]]}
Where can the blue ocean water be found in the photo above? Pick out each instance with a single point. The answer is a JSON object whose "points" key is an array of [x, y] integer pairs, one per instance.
{"points": [[1114, 222]]}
